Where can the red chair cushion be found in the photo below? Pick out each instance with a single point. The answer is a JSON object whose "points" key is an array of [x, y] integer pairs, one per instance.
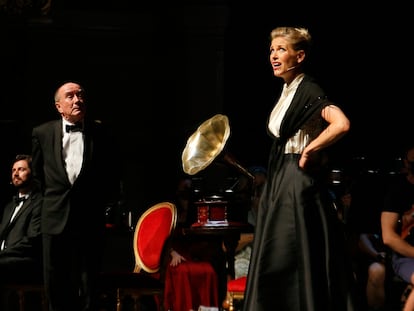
{"points": [[237, 285], [151, 235]]}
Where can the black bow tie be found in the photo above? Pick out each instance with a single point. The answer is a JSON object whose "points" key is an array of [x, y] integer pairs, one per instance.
{"points": [[17, 200], [74, 128]]}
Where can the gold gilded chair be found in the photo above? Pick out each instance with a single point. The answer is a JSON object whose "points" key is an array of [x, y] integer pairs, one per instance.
{"points": [[150, 246]]}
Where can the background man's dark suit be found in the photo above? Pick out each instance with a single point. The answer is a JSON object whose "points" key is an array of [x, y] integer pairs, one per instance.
{"points": [[21, 259], [73, 216]]}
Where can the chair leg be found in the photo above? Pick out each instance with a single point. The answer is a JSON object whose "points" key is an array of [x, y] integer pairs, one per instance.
{"points": [[228, 304], [161, 302], [231, 302], [20, 294], [136, 301], [44, 303], [118, 300]]}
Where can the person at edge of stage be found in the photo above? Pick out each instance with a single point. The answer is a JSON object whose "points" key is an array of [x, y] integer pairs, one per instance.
{"points": [[299, 260], [397, 223], [20, 237]]}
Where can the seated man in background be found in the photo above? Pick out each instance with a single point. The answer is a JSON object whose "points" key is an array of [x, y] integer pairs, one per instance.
{"points": [[20, 239], [397, 218]]}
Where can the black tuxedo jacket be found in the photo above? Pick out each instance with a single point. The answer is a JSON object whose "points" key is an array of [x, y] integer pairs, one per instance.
{"points": [[80, 207], [22, 235]]}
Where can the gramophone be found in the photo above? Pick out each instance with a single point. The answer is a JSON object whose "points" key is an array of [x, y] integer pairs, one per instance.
{"points": [[205, 146]]}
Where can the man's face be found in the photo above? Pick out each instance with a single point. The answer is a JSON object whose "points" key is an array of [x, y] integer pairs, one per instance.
{"points": [[70, 102], [21, 174]]}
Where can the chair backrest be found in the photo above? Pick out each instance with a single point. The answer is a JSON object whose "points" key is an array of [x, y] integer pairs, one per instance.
{"points": [[153, 229]]}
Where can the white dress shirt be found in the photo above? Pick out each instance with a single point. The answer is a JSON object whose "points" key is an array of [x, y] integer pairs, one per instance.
{"points": [[72, 143]]}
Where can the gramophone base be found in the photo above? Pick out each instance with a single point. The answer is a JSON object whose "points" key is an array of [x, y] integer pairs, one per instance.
{"points": [[212, 213]]}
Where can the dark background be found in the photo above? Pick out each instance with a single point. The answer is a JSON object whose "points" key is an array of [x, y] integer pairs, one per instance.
{"points": [[156, 70]]}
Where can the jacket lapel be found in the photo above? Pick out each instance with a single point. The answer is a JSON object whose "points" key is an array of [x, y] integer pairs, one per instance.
{"points": [[58, 148], [9, 225]]}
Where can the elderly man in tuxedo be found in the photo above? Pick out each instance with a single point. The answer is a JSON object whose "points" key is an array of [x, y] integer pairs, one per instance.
{"points": [[74, 158]]}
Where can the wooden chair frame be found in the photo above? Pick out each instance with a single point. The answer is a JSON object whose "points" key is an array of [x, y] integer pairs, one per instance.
{"points": [[128, 284]]}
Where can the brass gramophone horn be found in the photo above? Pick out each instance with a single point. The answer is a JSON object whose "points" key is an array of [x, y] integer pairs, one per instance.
{"points": [[206, 143]]}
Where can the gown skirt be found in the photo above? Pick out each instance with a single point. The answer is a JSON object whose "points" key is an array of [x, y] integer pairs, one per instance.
{"points": [[299, 260]]}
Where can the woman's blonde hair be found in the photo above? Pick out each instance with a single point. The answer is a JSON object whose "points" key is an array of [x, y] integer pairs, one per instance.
{"points": [[299, 37]]}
